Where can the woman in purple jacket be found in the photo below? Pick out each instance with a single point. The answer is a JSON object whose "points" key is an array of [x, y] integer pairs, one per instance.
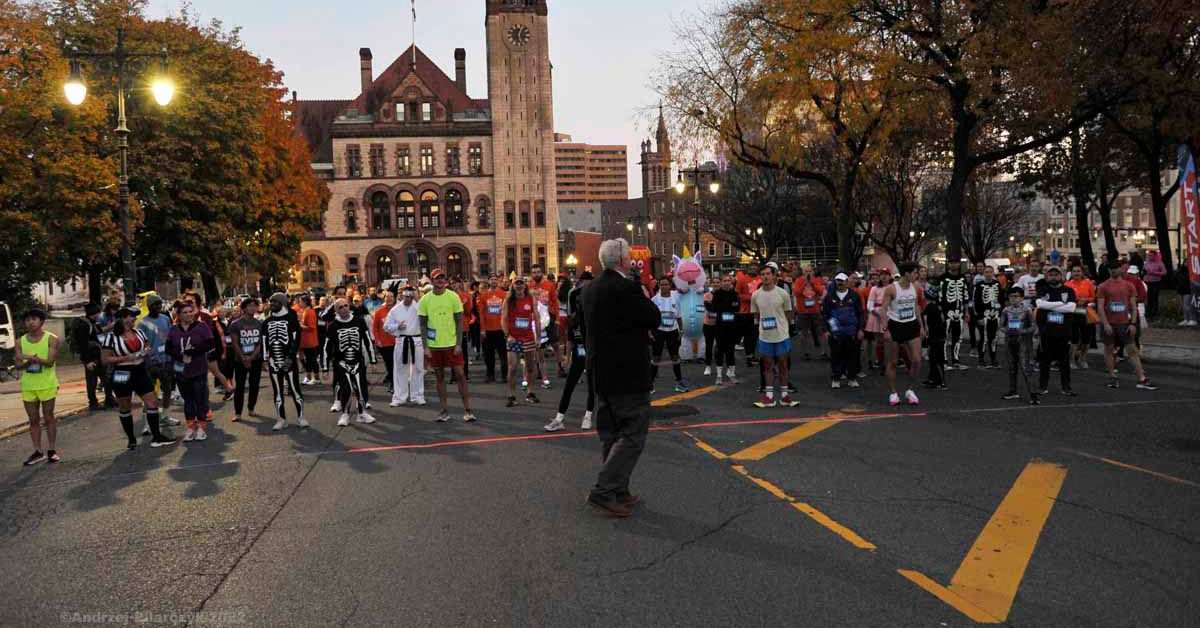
{"points": [[189, 343]]}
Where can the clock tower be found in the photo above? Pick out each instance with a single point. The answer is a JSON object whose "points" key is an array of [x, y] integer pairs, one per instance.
{"points": [[522, 108]]}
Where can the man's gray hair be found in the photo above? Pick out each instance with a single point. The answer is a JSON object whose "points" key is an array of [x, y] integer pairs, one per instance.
{"points": [[612, 252]]}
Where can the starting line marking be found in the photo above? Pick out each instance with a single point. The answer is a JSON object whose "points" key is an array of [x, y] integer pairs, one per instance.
{"points": [[1130, 467]]}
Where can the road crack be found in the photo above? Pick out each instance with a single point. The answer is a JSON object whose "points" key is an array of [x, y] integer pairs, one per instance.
{"points": [[677, 549]]}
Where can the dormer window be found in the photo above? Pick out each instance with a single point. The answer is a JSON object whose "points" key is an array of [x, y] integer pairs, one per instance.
{"points": [[427, 112], [400, 117]]}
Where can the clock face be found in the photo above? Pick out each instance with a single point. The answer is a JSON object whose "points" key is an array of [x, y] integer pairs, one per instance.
{"points": [[518, 35]]}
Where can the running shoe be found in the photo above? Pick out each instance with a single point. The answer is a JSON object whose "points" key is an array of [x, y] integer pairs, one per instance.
{"points": [[302, 422], [1067, 392], [852, 383], [532, 398], [546, 384], [363, 417], [1113, 383], [837, 383], [237, 418], [786, 401], [52, 457], [172, 421], [587, 421], [524, 384], [201, 434], [189, 435], [344, 419], [395, 404], [708, 371], [418, 402], [1010, 395], [893, 399], [366, 405], [1146, 385], [911, 397], [336, 407], [556, 424], [279, 425], [512, 402], [681, 387], [765, 402], [469, 417], [442, 417], [35, 458], [163, 442], [146, 430]]}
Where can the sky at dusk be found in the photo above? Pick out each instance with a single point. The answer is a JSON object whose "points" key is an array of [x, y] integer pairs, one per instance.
{"points": [[603, 51]]}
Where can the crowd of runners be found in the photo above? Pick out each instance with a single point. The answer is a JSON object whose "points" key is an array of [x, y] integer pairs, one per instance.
{"points": [[528, 330]]}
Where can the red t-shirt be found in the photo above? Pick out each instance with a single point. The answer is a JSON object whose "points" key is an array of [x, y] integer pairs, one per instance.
{"points": [[308, 328], [1138, 285], [1118, 296], [491, 305], [745, 288], [521, 319], [468, 311], [545, 292], [808, 295], [382, 338]]}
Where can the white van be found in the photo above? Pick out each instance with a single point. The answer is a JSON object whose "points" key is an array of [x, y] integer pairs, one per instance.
{"points": [[8, 328]]}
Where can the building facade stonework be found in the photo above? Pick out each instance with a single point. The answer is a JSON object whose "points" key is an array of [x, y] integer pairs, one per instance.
{"points": [[424, 176]]}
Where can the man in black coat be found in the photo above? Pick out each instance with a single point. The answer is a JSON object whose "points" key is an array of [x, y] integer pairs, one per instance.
{"points": [[617, 319]]}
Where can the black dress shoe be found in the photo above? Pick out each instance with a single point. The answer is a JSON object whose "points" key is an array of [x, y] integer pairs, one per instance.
{"points": [[612, 508]]}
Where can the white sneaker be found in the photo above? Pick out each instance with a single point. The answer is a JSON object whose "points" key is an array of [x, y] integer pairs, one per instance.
{"points": [[279, 425], [363, 417], [366, 405], [189, 435], [911, 397], [418, 402], [835, 384], [852, 383], [175, 396], [546, 384], [336, 407], [729, 372], [146, 430], [587, 421], [302, 422], [169, 420], [707, 370], [306, 382], [395, 404], [344, 420], [893, 399], [556, 424], [719, 380], [201, 434]]}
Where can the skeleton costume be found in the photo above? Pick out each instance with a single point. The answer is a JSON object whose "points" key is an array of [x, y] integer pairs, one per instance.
{"points": [[350, 349], [281, 333], [987, 309], [953, 295]]}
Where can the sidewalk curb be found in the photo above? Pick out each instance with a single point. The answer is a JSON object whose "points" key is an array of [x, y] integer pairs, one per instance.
{"points": [[17, 430]]}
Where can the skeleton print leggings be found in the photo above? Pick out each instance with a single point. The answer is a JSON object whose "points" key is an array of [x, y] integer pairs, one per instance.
{"points": [[350, 378], [954, 332], [288, 379]]}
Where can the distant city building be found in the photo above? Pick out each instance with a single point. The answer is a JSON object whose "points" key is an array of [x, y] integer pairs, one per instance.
{"points": [[590, 173], [423, 175]]}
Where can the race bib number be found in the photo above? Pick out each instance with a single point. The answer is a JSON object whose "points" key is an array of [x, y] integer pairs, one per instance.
{"points": [[493, 309], [162, 349], [179, 366], [1116, 307], [727, 317], [33, 368], [668, 319], [1014, 325], [431, 333], [908, 313], [248, 346], [809, 302], [581, 351], [522, 323], [769, 323], [833, 324], [120, 377], [1055, 317], [700, 309]]}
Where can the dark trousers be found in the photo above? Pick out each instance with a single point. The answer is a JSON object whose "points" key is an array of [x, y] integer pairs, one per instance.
{"points": [[727, 337], [622, 422], [493, 345], [937, 362], [311, 365], [474, 336], [671, 341], [749, 335], [1055, 349], [1152, 288], [253, 373], [387, 353], [710, 341], [844, 354], [195, 396], [578, 370], [95, 378], [1019, 348]]}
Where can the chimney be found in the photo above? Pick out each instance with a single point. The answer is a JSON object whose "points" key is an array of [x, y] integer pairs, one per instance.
{"points": [[460, 68], [364, 66]]}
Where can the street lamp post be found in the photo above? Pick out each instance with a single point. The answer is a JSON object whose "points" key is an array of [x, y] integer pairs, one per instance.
{"points": [[681, 187], [163, 90]]}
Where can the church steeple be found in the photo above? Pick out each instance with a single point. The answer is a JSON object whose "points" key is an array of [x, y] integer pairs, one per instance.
{"points": [[661, 137]]}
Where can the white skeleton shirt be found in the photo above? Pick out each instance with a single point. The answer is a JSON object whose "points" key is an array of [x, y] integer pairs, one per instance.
{"points": [[350, 341], [282, 336], [953, 296], [987, 300]]}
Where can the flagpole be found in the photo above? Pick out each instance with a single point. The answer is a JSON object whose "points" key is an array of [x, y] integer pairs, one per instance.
{"points": [[414, 34]]}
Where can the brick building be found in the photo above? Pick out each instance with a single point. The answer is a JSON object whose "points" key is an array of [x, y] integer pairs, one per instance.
{"points": [[423, 175]]}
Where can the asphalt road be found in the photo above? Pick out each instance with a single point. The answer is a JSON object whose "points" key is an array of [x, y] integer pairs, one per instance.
{"points": [[842, 511]]}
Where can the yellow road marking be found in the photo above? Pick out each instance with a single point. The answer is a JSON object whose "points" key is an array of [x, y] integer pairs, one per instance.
{"points": [[691, 394], [974, 613], [991, 572], [709, 449], [762, 449], [816, 515], [1130, 467]]}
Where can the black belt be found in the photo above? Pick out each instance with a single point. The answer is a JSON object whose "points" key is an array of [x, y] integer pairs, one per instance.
{"points": [[408, 349]]}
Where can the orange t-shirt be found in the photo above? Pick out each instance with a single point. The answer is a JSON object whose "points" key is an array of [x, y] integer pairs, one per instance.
{"points": [[468, 311], [382, 338], [308, 328], [491, 304], [546, 292], [745, 288], [1085, 290], [808, 295]]}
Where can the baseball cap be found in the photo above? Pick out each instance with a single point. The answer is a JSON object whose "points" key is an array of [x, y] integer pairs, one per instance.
{"points": [[840, 277], [1133, 270], [437, 272]]}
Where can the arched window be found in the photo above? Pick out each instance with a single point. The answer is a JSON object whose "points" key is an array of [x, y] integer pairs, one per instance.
{"points": [[351, 217], [418, 260], [314, 270], [381, 212], [455, 216], [383, 267], [431, 212], [454, 264], [484, 219], [406, 211]]}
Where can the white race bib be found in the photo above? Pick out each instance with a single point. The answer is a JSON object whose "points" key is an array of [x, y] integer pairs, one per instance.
{"points": [[769, 323], [1055, 317]]}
